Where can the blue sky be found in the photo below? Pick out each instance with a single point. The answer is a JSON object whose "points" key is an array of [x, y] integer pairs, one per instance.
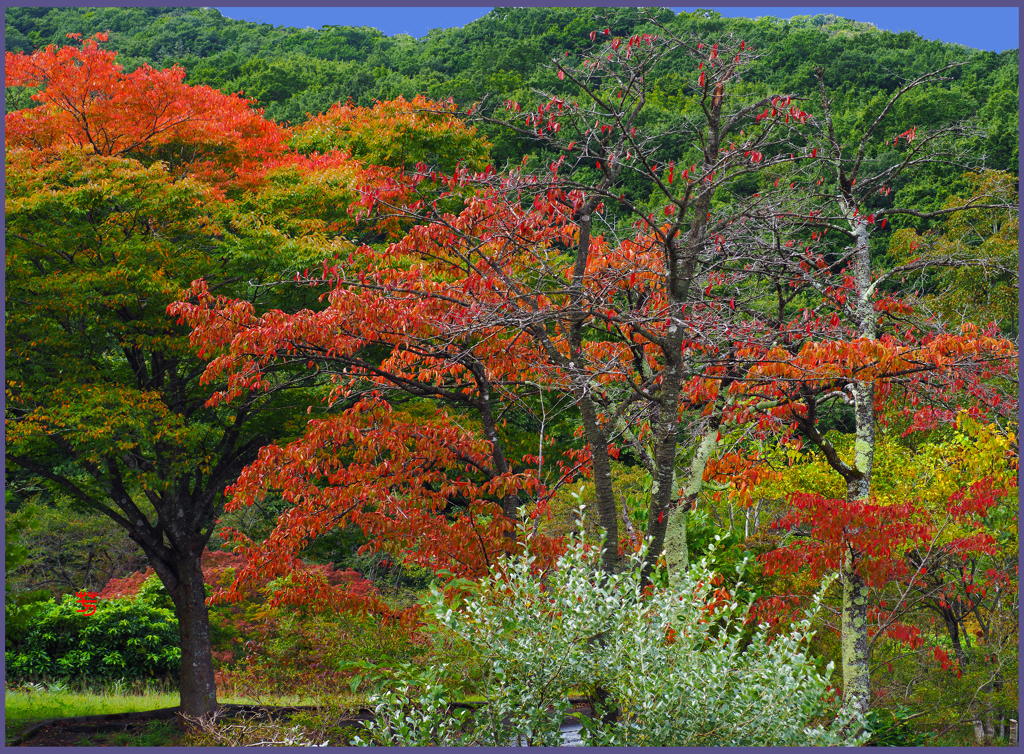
{"points": [[985, 28]]}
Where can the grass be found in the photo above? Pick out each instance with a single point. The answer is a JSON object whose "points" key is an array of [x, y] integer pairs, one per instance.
{"points": [[158, 733], [36, 702]]}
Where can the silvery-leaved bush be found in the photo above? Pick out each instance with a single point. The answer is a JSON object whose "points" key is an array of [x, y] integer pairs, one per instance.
{"points": [[294, 737], [674, 661]]}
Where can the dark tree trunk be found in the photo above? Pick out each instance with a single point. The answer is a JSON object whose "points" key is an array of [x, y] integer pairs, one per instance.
{"points": [[198, 687], [607, 513]]}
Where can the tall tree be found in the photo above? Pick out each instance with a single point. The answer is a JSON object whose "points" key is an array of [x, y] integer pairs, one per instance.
{"points": [[613, 291], [415, 449], [631, 308], [861, 338], [114, 184]]}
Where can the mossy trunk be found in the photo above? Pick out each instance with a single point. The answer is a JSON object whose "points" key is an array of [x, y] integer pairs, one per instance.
{"points": [[856, 675]]}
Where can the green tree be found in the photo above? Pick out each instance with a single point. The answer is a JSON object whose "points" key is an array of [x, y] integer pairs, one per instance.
{"points": [[104, 401]]}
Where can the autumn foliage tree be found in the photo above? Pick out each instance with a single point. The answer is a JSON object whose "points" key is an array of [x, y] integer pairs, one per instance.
{"points": [[517, 285], [114, 184], [122, 189], [87, 101], [398, 133], [631, 297], [415, 430], [864, 346]]}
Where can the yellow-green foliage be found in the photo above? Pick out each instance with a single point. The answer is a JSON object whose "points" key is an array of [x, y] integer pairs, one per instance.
{"points": [[632, 483], [928, 472]]}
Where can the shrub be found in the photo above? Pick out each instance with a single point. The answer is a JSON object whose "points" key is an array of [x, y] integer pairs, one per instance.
{"points": [[891, 728], [66, 549], [127, 639], [312, 655], [21, 608], [673, 664]]}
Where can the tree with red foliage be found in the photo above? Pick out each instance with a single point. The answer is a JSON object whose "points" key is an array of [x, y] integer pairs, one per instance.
{"points": [[863, 347], [630, 301], [87, 101], [628, 328]]}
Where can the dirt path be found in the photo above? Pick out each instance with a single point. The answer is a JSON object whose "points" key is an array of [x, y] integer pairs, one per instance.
{"points": [[157, 727]]}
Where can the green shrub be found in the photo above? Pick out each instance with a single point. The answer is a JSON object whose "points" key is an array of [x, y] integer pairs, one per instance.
{"points": [[126, 639], [891, 728], [317, 654], [155, 594], [672, 663]]}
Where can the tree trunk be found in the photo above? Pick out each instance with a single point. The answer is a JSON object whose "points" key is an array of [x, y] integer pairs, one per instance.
{"points": [[856, 678], [198, 687], [604, 491], [677, 554], [953, 629]]}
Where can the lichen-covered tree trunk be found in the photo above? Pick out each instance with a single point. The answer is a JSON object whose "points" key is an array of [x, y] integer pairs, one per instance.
{"points": [[856, 676]]}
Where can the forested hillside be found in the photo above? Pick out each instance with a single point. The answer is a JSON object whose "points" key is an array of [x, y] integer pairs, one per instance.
{"points": [[507, 53], [308, 322]]}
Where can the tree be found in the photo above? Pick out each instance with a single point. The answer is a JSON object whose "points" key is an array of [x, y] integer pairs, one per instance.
{"points": [[396, 134], [68, 550], [193, 129], [859, 344], [986, 291], [626, 317], [108, 215], [415, 425], [612, 321]]}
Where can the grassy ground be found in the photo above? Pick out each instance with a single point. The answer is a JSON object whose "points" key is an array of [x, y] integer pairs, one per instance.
{"points": [[26, 706]]}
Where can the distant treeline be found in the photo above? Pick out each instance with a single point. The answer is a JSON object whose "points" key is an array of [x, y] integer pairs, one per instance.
{"points": [[295, 72]]}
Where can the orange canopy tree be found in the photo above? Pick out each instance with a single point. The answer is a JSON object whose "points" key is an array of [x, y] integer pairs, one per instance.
{"points": [[86, 100], [121, 190], [114, 203]]}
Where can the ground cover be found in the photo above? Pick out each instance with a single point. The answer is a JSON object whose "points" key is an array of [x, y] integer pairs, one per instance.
{"points": [[27, 706]]}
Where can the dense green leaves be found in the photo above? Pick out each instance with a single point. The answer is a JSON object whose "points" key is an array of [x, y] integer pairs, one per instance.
{"points": [[294, 73], [126, 639]]}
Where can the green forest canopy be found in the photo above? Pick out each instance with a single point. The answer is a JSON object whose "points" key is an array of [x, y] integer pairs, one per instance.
{"points": [[297, 72]]}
